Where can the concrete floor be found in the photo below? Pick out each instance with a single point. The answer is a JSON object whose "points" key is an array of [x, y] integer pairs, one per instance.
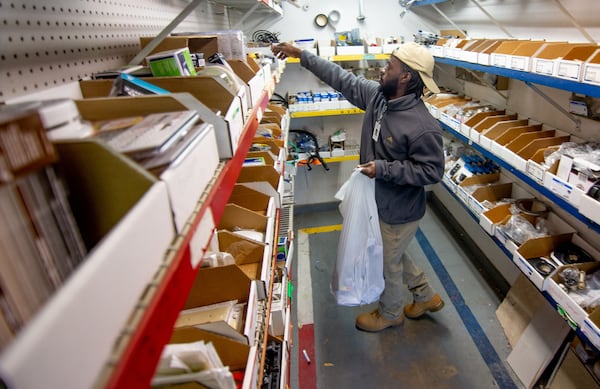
{"points": [[461, 346]]}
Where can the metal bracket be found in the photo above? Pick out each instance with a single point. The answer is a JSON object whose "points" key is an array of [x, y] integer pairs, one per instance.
{"points": [[485, 82], [492, 19], [555, 105], [448, 19], [139, 58], [246, 15]]}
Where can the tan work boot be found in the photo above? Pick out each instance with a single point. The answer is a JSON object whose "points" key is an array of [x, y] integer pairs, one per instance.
{"points": [[417, 309], [373, 321]]}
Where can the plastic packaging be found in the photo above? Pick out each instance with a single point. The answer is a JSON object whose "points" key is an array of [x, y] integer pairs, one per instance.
{"points": [[358, 272]]}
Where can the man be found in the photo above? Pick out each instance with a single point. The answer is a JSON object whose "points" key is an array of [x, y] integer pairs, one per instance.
{"points": [[401, 148]]}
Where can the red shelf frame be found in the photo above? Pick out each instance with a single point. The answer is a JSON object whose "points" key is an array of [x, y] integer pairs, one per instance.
{"points": [[136, 367]]}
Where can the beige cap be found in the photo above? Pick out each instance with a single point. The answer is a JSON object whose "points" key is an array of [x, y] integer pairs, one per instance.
{"points": [[418, 58]]}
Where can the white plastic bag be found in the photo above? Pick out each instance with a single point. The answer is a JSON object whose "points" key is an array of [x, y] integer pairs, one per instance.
{"points": [[358, 272]]}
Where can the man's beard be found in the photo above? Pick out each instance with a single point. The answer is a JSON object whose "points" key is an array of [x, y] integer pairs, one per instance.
{"points": [[388, 88]]}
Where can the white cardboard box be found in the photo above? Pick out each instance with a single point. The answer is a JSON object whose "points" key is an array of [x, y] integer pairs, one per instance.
{"points": [[564, 190], [571, 311], [546, 67], [86, 310], [589, 208], [189, 175]]}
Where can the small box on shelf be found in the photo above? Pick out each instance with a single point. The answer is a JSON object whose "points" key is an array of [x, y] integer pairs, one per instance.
{"points": [[571, 66]]}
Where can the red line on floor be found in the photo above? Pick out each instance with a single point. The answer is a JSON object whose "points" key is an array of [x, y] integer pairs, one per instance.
{"points": [[307, 371]]}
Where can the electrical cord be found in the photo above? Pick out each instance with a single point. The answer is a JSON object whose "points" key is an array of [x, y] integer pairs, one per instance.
{"points": [[265, 36], [312, 156], [277, 98]]}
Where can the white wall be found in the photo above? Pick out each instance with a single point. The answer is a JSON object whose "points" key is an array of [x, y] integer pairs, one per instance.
{"points": [[382, 19]]}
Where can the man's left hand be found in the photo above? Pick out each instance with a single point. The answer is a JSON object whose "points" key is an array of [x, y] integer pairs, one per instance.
{"points": [[368, 169]]}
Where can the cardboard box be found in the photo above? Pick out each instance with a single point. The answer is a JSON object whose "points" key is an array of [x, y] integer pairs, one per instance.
{"points": [[187, 177], [125, 219], [488, 136], [510, 150], [438, 102], [527, 144], [563, 189], [488, 122], [546, 60], [232, 353], [574, 314], [186, 94], [263, 179], [501, 56], [589, 207], [536, 167], [571, 66], [521, 57], [500, 141], [211, 286], [207, 44], [591, 69], [253, 257], [484, 56], [349, 50], [494, 193], [500, 215], [469, 51], [465, 126], [252, 199], [529, 253], [255, 80], [236, 218], [218, 98], [461, 191]]}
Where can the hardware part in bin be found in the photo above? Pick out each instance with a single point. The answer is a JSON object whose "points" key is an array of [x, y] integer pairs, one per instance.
{"points": [[306, 142]]}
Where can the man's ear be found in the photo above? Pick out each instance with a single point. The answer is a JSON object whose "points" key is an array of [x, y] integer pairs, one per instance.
{"points": [[406, 76]]}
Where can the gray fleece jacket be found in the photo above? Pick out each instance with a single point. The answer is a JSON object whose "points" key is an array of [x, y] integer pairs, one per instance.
{"points": [[408, 152]]}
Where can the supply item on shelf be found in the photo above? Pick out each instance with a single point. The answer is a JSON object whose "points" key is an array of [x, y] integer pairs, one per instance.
{"points": [[305, 143]]}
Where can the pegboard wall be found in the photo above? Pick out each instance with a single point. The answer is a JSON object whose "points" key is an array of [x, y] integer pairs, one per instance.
{"points": [[46, 44]]}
